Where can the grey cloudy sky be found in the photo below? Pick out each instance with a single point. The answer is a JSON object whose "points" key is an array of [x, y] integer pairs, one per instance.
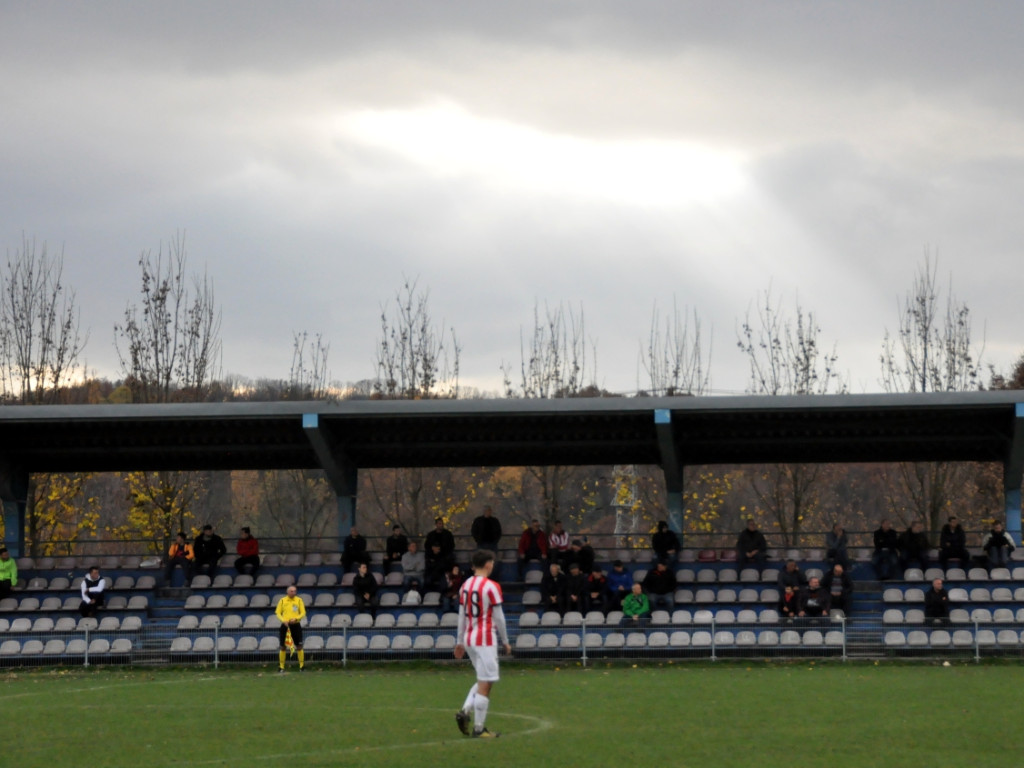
{"points": [[603, 154]]}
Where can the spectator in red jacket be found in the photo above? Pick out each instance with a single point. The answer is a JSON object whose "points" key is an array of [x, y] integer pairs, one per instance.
{"points": [[248, 549], [533, 545]]}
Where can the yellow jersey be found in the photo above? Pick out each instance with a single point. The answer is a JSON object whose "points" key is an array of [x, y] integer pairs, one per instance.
{"points": [[290, 609]]}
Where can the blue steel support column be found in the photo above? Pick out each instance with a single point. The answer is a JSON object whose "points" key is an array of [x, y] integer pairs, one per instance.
{"points": [[341, 473], [14, 495], [1013, 473], [671, 467]]}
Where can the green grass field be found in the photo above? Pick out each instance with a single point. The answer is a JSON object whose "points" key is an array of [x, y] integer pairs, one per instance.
{"points": [[755, 714]]}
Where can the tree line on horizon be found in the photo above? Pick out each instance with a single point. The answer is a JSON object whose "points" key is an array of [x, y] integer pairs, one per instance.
{"points": [[169, 350]]}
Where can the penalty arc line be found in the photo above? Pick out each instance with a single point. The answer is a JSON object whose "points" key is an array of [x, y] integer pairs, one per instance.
{"points": [[542, 724]]}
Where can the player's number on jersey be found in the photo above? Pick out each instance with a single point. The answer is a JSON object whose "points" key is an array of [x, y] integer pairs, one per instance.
{"points": [[474, 607]]}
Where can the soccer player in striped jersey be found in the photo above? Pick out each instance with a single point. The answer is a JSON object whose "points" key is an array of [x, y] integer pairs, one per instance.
{"points": [[481, 629]]}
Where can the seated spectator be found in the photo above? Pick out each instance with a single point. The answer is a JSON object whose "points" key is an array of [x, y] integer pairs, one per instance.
{"points": [[442, 537], [751, 546], [953, 544], [414, 567], [835, 547], [92, 593], [438, 564], [998, 545], [886, 555], [179, 554], [8, 572], [791, 576], [533, 545], [486, 530], [209, 549], [552, 589], [248, 549], [576, 590], [815, 600], [452, 582], [789, 603], [364, 585], [660, 586], [914, 547], [395, 546], [620, 584], [353, 551], [636, 608], [840, 588], [936, 603], [597, 590], [582, 554], [665, 543], [558, 545]]}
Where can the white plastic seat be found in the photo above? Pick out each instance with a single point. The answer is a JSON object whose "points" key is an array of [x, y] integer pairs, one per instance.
{"points": [[450, 620], [222, 581], [575, 618], [11, 647], [526, 641], [593, 640], [253, 621], [701, 639], [203, 645], [54, 648], [32, 648], [913, 595], [232, 621], [746, 616], [225, 644], [985, 637], [789, 637], [1003, 616], [894, 639], [362, 621], [384, 621], [247, 644], [109, 624], [679, 639], [931, 574], [726, 595], [914, 616], [706, 576], [705, 596], [892, 595], [834, 638], [306, 580], [186, 623], [745, 638], [768, 616], [703, 617], [529, 620], [238, 602], [636, 640], [980, 595], [958, 595], [202, 581], [390, 599], [243, 581], [727, 575], [688, 576], [547, 641], [269, 644], [138, 603], [209, 622], [42, 624], [401, 643], [329, 579], [63, 624], [748, 596], [939, 638], [341, 621], [977, 574], [531, 597], [892, 616], [569, 640], [724, 638], [358, 642], [912, 574], [194, 602], [725, 616], [750, 575], [99, 647], [681, 616], [981, 616], [1007, 638], [346, 600], [657, 617], [423, 643], [615, 640], [959, 616], [550, 619], [683, 596], [917, 639], [406, 620], [962, 638], [594, 619], [768, 638], [812, 638]]}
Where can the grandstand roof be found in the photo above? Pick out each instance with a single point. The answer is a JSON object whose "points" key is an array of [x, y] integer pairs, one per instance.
{"points": [[972, 426]]}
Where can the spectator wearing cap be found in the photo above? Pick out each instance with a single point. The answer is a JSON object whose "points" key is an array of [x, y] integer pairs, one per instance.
{"points": [[665, 543], [209, 549], [620, 583], [248, 550], [660, 585], [8, 572]]}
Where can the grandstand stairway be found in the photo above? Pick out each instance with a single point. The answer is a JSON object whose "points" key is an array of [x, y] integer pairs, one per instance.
{"points": [[154, 644], [864, 635]]}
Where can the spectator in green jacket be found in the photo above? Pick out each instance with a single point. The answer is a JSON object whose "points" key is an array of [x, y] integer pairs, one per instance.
{"points": [[8, 572], [636, 608]]}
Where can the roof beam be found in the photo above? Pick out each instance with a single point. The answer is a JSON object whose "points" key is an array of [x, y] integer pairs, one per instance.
{"points": [[341, 473], [1013, 468]]}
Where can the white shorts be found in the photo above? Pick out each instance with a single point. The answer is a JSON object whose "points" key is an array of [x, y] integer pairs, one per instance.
{"points": [[485, 662]]}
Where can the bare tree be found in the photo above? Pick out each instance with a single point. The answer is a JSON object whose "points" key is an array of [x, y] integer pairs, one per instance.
{"points": [[415, 359], [785, 358], [40, 341], [169, 350], [933, 350], [309, 378], [553, 364], [677, 359], [168, 345]]}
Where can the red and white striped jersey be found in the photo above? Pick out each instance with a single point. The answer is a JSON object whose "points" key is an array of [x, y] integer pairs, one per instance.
{"points": [[477, 598]]}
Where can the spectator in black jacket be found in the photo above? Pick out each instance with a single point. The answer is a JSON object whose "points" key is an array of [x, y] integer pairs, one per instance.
{"points": [[353, 550], [815, 600], [395, 546], [438, 564], [936, 603], [597, 590], [442, 537], [665, 543], [791, 576], [582, 554], [552, 589], [914, 547], [835, 546], [364, 585], [751, 546], [209, 549], [486, 530], [577, 597], [840, 588], [660, 586], [886, 554], [953, 544]]}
